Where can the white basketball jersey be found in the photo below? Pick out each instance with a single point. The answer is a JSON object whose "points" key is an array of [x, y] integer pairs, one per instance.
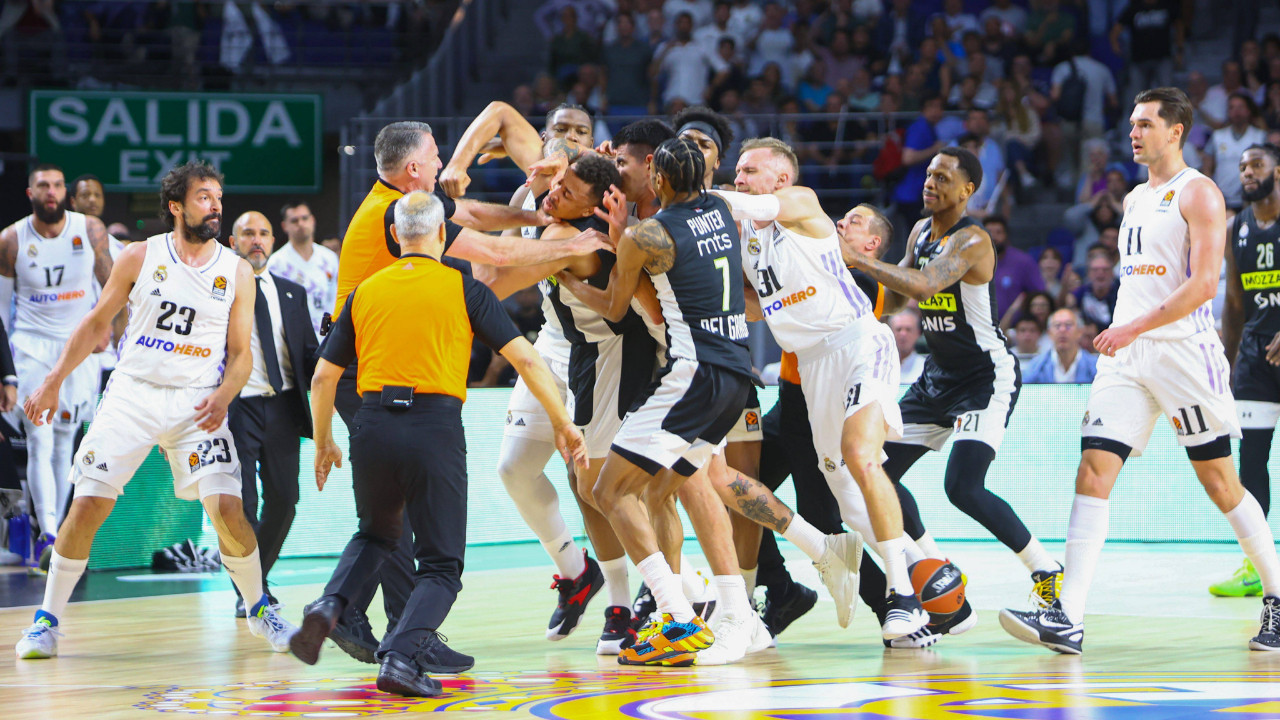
{"points": [[318, 276], [551, 341], [178, 317], [806, 292], [1155, 258], [54, 283]]}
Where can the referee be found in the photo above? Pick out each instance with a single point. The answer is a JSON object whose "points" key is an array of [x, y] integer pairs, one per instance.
{"points": [[411, 326]]}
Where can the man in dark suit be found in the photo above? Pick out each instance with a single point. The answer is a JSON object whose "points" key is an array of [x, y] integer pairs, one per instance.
{"points": [[272, 412]]}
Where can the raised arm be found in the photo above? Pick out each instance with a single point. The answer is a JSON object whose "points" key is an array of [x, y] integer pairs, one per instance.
{"points": [[795, 208], [491, 217], [520, 140], [115, 294], [477, 247], [644, 247], [504, 281], [960, 255]]}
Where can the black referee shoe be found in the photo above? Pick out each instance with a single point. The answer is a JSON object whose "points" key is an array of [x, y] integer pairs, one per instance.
{"points": [[354, 635], [318, 620], [400, 675], [433, 655], [786, 605]]}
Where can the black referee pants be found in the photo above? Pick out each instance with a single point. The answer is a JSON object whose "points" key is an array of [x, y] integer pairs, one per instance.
{"points": [[408, 462], [396, 576]]}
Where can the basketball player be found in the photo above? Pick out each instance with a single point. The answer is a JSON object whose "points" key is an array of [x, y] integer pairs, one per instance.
{"points": [[971, 379], [54, 256], [190, 306], [1161, 355], [1252, 309], [306, 262], [86, 196]]}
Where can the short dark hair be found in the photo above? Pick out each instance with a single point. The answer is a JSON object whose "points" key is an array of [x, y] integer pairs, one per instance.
{"points": [[598, 172], [680, 161], [649, 133], [1248, 101], [879, 225], [566, 106], [44, 167], [174, 186], [87, 177], [702, 113], [996, 219], [1268, 148], [1175, 107], [284, 209], [969, 164], [1026, 316]]}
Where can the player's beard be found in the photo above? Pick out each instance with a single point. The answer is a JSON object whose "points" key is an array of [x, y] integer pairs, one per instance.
{"points": [[206, 230], [47, 216], [1265, 187]]}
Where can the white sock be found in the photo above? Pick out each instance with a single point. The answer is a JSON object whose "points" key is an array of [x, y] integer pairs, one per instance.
{"points": [[912, 550], [749, 578], [733, 595], [1086, 534], [1035, 557], [808, 538], [616, 585], [64, 573], [1255, 539], [929, 547], [895, 565], [566, 554], [246, 573], [693, 584], [665, 587]]}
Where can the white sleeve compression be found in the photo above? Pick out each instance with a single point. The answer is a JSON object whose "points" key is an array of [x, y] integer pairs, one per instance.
{"points": [[761, 208]]}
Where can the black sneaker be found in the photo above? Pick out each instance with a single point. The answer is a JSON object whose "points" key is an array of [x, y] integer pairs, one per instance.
{"points": [[642, 607], [903, 616], [1049, 627], [705, 610], [354, 635], [574, 595], [960, 622], [400, 675], [318, 621], [785, 606], [618, 633], [1046, 587], [1268, 638], [433, 655]]}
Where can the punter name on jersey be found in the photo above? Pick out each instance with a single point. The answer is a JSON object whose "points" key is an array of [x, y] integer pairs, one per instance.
{"points": [[713, 239]]}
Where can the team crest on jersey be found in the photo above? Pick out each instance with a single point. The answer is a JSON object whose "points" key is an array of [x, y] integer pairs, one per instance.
{"points": [[753, 246], [32, 250], [1085, 421], [826, 463], [77, 244], [508, 417], [220, 286], [88, 458], [160, 274], [1244, 231]]}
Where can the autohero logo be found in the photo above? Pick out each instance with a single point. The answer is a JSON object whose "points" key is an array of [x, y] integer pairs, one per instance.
{"points": [[57, 297], [172, 347], [1145, 269], [794, 298]]}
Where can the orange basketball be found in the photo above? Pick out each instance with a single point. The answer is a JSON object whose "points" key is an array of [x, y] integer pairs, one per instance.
{"points": [[939, 586]]}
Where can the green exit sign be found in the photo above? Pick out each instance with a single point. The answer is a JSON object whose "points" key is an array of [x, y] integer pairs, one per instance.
{"points": [[260, 142]]}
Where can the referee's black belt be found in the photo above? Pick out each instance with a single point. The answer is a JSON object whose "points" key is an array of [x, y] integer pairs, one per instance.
{"points": [[428, 401]]}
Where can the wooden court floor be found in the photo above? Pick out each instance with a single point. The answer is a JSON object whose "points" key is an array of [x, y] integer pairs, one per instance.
{"points": [[1157, 646]]}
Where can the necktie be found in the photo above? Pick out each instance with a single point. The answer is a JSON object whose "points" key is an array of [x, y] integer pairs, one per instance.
{"points": [[267, 338]]}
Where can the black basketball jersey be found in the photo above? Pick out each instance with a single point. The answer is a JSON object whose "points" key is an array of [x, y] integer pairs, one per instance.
{"points": [[580, 323], [1257, 252], [960, 322], [701, 294]]}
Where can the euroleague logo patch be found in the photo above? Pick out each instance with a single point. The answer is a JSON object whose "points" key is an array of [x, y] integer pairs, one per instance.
{"points": [[753, 421], [705, 693], [220, 286]]}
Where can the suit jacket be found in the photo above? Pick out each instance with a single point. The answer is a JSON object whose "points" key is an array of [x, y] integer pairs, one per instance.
{"points": [[302, 344], [1040, 370]]}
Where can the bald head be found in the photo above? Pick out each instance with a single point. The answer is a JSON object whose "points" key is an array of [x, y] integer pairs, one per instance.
{"points": [[252, 239], [419, 223]]}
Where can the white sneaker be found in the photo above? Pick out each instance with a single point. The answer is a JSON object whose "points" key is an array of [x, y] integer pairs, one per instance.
{"points": [[838, 568], [761, 639], [733, 636], [37, 642], [922, 638], [270, 625]]}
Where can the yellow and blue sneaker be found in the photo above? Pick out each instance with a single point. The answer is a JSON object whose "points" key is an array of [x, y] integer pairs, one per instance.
{"points": [[668, 643], [1244, 583]]}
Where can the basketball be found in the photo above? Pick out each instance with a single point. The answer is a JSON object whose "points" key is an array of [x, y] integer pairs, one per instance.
{"points": [[940, 587]]}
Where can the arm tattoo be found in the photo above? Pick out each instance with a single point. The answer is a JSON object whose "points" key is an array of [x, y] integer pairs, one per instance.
{"points": [[101, 249], [659, 249], [758, 504], [8, 251], [935, 276], [559, 146]]}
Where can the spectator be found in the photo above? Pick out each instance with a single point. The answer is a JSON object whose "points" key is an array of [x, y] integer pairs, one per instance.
{"points": [[862, 96], [770, 41], [700, 11], [1215, 100], [545, 94], [985, 94], [1202, 125], [1011, 18], [864, 49], [1019, 126], [801, 56], [710, 35], [898, 33], [814, 89], [1271, 112], [1037, 305], [334, 244], [1099, 98], [686, 65], [774, 88], [958, 21], [1087, 221], [640, 24], [998, 47], [1088, 331], [745, 18], [1226, 145], [1097, 297], [906, 334], [1027, 333], [1016, 274], [1065, 362], [1059, 278], [1253, 72], [626, 66], [837, 17], [1156, 37], [758, 100], [1050, 33], [570, 47], [1093, 177], [731, 78], [842, 65], [656, 33], [522, 100], [588, 89], [919, 146]]}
